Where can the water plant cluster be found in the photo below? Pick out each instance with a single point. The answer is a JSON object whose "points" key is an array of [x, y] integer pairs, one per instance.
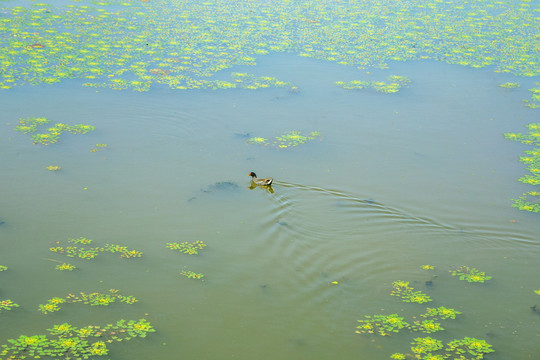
{"points": [[88, 253], [98, 147], [191, 275], [6, 305], [402, 290], [52, 135], [65, 341], [429, 348], [183, 44], [385, 325], [470, 274], [65, 267], [394, 84], [288, 139], [187, 247], [510, 85], [92, 299], [534, 103], [530, 200], [53, 167], [428, 322]]}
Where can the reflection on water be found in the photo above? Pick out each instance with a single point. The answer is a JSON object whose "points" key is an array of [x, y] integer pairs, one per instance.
{"points": [[395, 182]]}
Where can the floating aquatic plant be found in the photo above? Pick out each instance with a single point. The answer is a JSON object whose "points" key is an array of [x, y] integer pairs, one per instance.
{"points": [[428, 267], [535, 98], [66, 341], [288, 139], [394, 84], [510, 85], [184, 44], [402, 290], [98, 147], [3, 268], [53, 167], [537, 292], [530, 200], [186, 247], [251, 82], [65, 267], [92, 299], [7, 305], [91, 252], [30, 125], [381, 324], [191, 275], [441, 313], [470, 274], [428, 348], [387, 324]]}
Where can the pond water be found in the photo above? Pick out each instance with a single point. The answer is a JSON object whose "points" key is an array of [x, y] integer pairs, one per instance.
{"points": [[393, 182]]}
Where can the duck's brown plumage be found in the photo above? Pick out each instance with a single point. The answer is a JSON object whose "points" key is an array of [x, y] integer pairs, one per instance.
{"points": [[261, 182]]}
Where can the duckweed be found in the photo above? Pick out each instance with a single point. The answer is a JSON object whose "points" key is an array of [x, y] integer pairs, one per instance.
{"points": [[53, 167]]}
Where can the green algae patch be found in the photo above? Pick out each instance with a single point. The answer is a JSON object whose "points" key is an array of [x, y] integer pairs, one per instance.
{"points": [[529, 200], [65, 341]]}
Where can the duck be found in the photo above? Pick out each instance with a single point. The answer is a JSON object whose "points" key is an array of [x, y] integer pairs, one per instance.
{"points": [[260, 182]]}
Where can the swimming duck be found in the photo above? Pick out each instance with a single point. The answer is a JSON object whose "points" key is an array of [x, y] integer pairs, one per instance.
{"points": [[260, 182]]}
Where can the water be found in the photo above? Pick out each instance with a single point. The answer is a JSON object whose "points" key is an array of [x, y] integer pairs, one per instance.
{"points": [[395, 182]]}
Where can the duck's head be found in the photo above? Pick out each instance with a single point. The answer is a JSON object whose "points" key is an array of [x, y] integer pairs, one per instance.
{"points": [[252, 174]]}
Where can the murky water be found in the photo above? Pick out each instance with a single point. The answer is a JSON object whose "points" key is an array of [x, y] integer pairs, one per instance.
{"points": [[395, 182]]}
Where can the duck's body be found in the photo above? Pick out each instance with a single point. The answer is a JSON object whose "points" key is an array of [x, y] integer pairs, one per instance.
{"points": [[260, 182]]}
